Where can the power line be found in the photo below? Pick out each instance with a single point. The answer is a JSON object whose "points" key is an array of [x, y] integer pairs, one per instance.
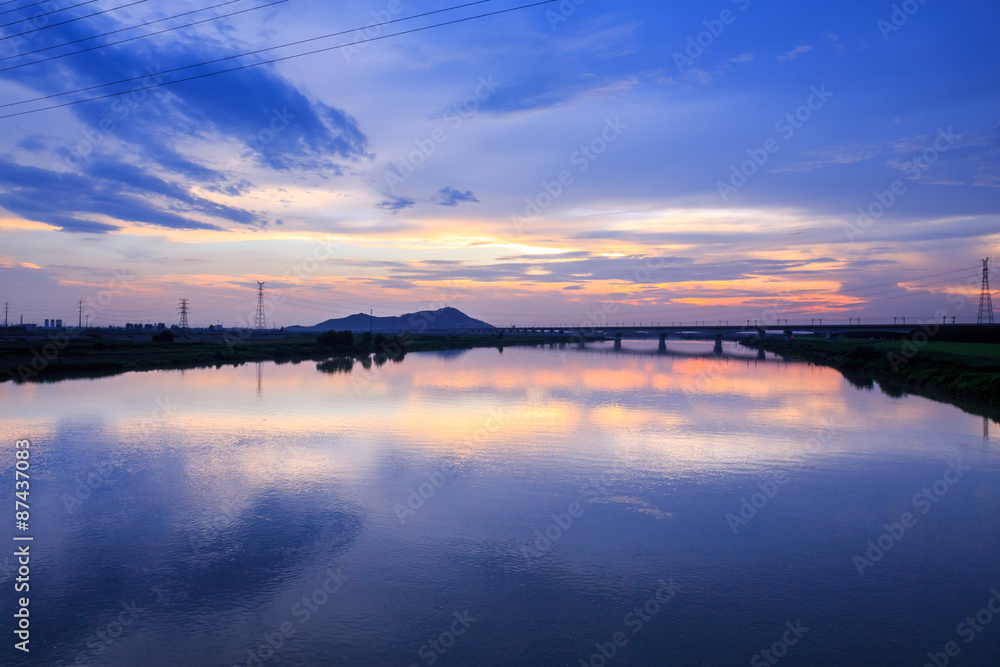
{"points": [[948, 281], [240, 55], [908, 294], [127, 312], [78, 18], [901, 296], [219, 301], [46, 13], [130, 39], [932, 275], [864, 299], [307, 302], [263, 62], [162, 312], [867, 297], [8, 2], [320, 302], [325, 310], [17, 9], [283, 297]]}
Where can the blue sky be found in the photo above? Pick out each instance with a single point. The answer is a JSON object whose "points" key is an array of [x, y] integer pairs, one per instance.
{"points": [[665, 161]]}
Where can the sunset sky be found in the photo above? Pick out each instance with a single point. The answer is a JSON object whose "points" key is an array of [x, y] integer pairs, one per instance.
{"points": [[667, 161]]}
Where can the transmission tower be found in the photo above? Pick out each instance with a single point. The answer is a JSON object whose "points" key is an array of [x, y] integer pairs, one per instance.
{"points": [[985, 300], [184, 313], [260, 324]]}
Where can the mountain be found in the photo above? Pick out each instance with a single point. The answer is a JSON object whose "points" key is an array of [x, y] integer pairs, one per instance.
{"points": [[443, 318]]}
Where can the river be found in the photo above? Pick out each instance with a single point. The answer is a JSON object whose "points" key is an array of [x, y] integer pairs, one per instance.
{"points": [[530, 506]]}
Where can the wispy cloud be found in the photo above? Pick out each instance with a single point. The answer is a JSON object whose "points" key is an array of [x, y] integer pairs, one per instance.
{"points": [[199, 174], [795, 53], [396, 204], [107, 190], [838, 46], [823, 158], [449, 196]]}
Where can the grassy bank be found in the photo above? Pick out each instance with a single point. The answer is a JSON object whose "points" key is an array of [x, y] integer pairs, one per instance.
{"points": [[965, 374], [62, 357]]}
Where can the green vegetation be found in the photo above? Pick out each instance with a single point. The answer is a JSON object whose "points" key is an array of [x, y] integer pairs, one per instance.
{"points": [[165, 336], [60, 357], [344, 345], [336, 339], [966, 374]]}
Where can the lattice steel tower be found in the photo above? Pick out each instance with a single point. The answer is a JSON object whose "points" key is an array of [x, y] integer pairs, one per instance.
{"points": [[183, 310], [985, 300], [260, 324]]}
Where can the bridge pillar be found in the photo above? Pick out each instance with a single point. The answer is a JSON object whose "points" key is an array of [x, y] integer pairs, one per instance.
{"points": [[718, 345], [618, 342], [761, 355], [662, 349]]}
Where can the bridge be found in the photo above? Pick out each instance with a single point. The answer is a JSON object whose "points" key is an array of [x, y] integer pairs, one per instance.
{"points": [[721, 332], [703, 331], [651, 330]]}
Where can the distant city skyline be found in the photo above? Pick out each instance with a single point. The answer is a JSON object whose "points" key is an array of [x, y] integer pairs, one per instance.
{"points": [[649, 162]]}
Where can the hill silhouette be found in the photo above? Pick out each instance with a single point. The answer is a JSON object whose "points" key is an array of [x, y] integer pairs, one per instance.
{"points": [[443, 318]]}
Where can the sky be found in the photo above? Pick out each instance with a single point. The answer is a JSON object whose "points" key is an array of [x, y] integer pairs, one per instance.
{"points": [[574, 162]]}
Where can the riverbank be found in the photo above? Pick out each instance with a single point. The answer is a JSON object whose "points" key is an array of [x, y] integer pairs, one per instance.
{"points": [[61, 356], [964, 374]]}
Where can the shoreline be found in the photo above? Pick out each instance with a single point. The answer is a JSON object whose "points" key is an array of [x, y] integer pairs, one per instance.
{"points": [[64, 357], [966, 375]]}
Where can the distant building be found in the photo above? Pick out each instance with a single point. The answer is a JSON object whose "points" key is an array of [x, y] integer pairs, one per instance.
{"points": [[58, 324], [46, 323]]}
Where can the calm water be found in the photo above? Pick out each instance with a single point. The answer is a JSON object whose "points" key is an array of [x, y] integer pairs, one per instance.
{"points": [[535, 507]]}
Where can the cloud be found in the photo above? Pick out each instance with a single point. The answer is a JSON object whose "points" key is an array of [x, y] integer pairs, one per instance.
{"points": [[554, 90], [71, 201], [822, 158], [450, 197], [600, 268], [168, 131], [395, 204], [988, 176], [293, 140], [698, 76], [795, 53], [137, 181], [834, 39], [32, 143]]}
